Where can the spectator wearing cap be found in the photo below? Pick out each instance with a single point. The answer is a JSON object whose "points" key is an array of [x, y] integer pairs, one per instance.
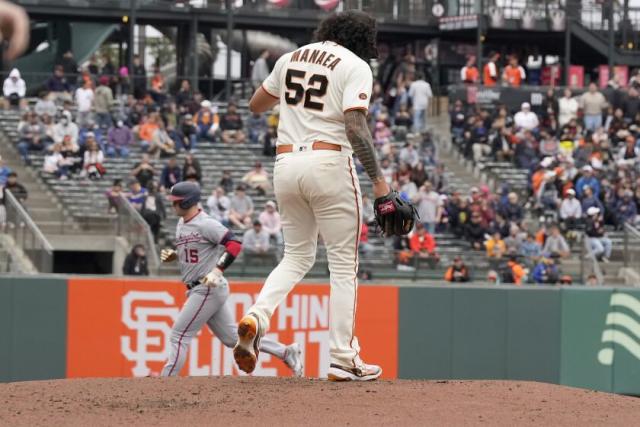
{"points": [[256, 240], [119, 139], [457, 272], [525, 118], [231, 125], [241, 208], [18, 190], [555, 244], [187, 134], [171, 175], [207, 121], [592, 103], [102, 103], [135, 263], [590, 200], [270, 220], [257, 178], [546, 272], [626, 210], [598, 241], [587, 179], [570, 210]]}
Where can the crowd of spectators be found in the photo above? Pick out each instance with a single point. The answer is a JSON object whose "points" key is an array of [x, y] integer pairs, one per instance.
{"points": [[582, 156], [84, 115]]}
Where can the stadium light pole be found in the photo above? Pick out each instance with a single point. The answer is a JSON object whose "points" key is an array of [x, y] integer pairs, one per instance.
{"points": [[131, 43], [610, 50], [227, 86], [479, 36], [195, 83]]}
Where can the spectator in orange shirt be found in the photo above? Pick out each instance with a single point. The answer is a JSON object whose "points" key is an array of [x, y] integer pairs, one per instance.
{"points": [[458, 272], [490, 70], [513, 74], [517, 272], [158, 88], [147, 129], [423, 244], [469, 73]]}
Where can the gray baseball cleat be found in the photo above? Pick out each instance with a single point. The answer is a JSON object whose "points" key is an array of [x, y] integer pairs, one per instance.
{"points": [[294, 359]]}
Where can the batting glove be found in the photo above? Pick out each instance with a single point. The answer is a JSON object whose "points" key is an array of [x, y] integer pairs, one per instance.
{"points": [[214, 279], [168, 255]]}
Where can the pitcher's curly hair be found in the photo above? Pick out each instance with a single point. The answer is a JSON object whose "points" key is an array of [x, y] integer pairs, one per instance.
{"points": [[352, 29]]}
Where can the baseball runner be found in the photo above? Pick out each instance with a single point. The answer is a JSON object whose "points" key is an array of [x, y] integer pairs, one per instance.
{"points": [[204, 249], [323, 90]]}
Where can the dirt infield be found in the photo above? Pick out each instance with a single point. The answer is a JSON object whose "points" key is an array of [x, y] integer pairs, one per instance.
{"points": [[279, 401]]}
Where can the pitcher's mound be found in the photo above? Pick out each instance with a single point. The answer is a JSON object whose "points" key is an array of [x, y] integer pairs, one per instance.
{"points": [[282, 401]]}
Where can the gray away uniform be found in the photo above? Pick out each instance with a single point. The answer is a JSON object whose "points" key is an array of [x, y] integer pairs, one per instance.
{"points": [[199, 243]]}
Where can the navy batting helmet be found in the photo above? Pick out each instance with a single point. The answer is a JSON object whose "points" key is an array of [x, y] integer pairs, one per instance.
{"points": [[187, 193]]}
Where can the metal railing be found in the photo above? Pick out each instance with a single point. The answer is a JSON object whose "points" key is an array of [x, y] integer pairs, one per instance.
{"points": [[589, 263], [27, 235], [131, 226], [631, 255]]}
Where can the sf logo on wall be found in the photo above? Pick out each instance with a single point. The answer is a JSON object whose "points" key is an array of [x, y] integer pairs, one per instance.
{"points": [[622, 328], [152, 326], [149, 315]]}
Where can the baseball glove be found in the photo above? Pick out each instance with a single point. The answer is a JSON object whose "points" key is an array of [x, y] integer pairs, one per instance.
{"points": [[394, 215]]}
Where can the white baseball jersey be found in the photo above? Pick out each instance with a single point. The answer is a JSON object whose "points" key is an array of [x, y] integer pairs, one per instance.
{"points": [[316, 84]]}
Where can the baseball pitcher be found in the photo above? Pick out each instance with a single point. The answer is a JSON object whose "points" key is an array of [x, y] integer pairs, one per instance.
{"points": [[204, 249], [323, 90]]}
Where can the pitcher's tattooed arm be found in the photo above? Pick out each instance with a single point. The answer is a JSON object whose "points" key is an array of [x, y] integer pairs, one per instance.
{"points": [[358, 134]]}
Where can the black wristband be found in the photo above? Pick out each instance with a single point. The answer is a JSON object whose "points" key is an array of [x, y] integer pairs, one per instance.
{"points": [[225, 260]]}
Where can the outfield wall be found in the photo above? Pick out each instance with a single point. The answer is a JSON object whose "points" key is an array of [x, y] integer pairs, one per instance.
{"points": [[96, 327]]}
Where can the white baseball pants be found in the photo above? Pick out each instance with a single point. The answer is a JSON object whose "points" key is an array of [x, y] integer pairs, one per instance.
{"points": [[208, 305], [318, 192]]}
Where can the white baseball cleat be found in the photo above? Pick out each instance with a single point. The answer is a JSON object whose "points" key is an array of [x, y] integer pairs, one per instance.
{"points": [[363, 373], [247, 350], [294, 360]]}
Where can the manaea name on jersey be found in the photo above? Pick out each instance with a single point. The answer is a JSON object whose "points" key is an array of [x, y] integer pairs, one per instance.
{"points": [[316, 56]]}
